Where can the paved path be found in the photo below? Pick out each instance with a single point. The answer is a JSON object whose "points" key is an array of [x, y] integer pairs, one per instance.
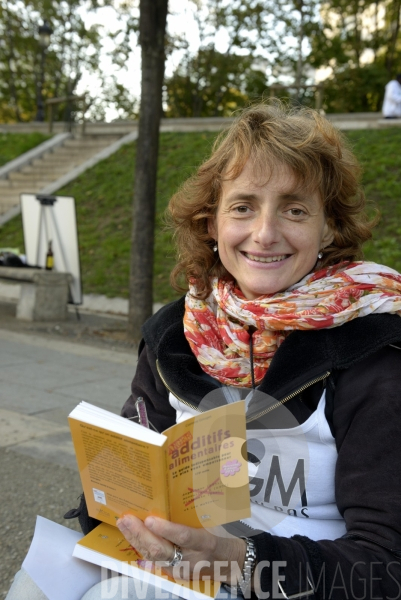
{"points": [[41, 380]]}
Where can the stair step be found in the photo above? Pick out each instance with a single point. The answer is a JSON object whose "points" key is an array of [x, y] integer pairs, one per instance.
{"points": [[84, 143], [15, 186], [19, 176], [65, 154], [30, 186], [4, 184], [7, 195], [10, 200], [45, 169], [55, 162], [8, 185], [41, 174]]}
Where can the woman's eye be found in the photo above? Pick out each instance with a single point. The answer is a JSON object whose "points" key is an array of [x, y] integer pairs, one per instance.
{"points": [[296, 212], [241, 209]]}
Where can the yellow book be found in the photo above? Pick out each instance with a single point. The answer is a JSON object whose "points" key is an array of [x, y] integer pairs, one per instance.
{"points": [[106, 546], [195, 473]]}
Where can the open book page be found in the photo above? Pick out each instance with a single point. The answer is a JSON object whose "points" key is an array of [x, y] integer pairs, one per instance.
{"points": [[107, 547]]}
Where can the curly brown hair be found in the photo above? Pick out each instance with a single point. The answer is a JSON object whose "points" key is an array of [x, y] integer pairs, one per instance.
{"points": [[269, 134]]}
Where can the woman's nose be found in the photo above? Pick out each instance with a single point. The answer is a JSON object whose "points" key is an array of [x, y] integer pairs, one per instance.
{"points": [[266, 230]]}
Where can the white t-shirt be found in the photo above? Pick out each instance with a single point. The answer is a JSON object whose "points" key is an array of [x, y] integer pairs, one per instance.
{"points": [[291, 477], [392, 99], [292, 482]]}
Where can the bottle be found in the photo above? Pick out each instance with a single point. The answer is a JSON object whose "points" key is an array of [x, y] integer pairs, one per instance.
{"points": [[49, 257]]}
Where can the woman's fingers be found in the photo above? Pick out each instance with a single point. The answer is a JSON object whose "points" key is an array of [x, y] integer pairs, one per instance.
{"points": [[155, 540], [148, 544], [180, 535], [199, 545], [207, 544]]}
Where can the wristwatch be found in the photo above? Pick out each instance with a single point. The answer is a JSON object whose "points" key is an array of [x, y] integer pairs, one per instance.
{"points": [[244, 585]]}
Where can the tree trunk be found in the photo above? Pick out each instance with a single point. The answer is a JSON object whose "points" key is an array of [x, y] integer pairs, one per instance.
{"points": [[300, 61], [358, 36], [152, 27], [394, 23], [10, 63]]}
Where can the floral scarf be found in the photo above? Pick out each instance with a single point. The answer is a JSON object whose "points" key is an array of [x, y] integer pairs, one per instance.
{"points": [[217, 328]]}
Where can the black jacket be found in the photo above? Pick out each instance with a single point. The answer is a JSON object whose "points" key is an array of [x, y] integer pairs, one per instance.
{"points": [[360, 365]]}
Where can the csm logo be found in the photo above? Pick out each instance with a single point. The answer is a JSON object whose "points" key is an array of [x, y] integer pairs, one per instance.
{"points": [[259, 486]]}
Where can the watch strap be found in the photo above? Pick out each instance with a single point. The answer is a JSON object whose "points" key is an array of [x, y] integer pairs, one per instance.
{"points": [[243, 586]]}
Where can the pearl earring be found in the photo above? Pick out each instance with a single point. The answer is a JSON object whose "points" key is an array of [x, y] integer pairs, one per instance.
{"points": [[215, 247], [320, 255]]}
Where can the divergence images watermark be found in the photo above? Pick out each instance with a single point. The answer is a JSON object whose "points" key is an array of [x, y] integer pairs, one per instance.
{"points": [[153, 583]]}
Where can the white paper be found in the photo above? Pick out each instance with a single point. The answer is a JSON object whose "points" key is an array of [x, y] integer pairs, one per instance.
{"points": [[143, 578], [50, 563]]}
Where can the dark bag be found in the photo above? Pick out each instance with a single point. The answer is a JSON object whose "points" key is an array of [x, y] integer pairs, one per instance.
{"points": [[86, 522]]}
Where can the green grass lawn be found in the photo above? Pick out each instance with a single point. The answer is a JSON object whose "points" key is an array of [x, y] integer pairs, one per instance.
{"points": [[380, 154], [104, 197], [15, 144]]}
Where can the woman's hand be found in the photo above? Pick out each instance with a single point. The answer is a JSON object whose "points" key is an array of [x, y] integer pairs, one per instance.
{"points": [[155, 539]]}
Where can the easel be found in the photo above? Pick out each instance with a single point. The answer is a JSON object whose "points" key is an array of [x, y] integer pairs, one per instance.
{"points": [[47, 202]]}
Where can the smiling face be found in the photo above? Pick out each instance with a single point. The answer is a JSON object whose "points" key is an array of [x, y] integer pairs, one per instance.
{"points": [[268, 234]]}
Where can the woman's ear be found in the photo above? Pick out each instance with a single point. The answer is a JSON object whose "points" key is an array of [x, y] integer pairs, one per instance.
{"points": [[328, 236], [211, 228]]}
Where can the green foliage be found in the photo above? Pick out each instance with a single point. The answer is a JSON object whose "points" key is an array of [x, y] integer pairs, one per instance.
{"points": [[26, 67], [104, 207], [11, 234], [358, 39], [264, 39], [393, 38], [358, 89], [296, 23], [213, 84], [363, 48], [117, 95], [13, 145]]}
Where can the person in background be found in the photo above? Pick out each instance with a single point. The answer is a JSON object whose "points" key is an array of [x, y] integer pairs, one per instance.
{"points": [[392, 99]]}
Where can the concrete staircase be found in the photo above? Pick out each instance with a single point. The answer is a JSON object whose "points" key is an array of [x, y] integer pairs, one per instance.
{"points": [[50, 167]]}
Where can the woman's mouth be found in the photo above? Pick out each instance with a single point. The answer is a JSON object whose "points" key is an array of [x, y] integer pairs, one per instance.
{"points": [[266, 259]]}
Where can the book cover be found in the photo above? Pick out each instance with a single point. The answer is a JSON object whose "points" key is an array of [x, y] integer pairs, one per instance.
{"points": [[207, 468], [119, 473], [195, 473], [106, 546]]}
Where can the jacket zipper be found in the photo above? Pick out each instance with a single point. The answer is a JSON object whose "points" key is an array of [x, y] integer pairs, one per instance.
{"points": [[292, 395], [174, 394], [261, 414]]}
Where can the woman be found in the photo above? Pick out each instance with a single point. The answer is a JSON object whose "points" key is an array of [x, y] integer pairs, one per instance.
{"points": [[268, 232]]}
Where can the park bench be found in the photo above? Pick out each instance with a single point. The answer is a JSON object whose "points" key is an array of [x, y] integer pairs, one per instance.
{"points": [[44, 294]]}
